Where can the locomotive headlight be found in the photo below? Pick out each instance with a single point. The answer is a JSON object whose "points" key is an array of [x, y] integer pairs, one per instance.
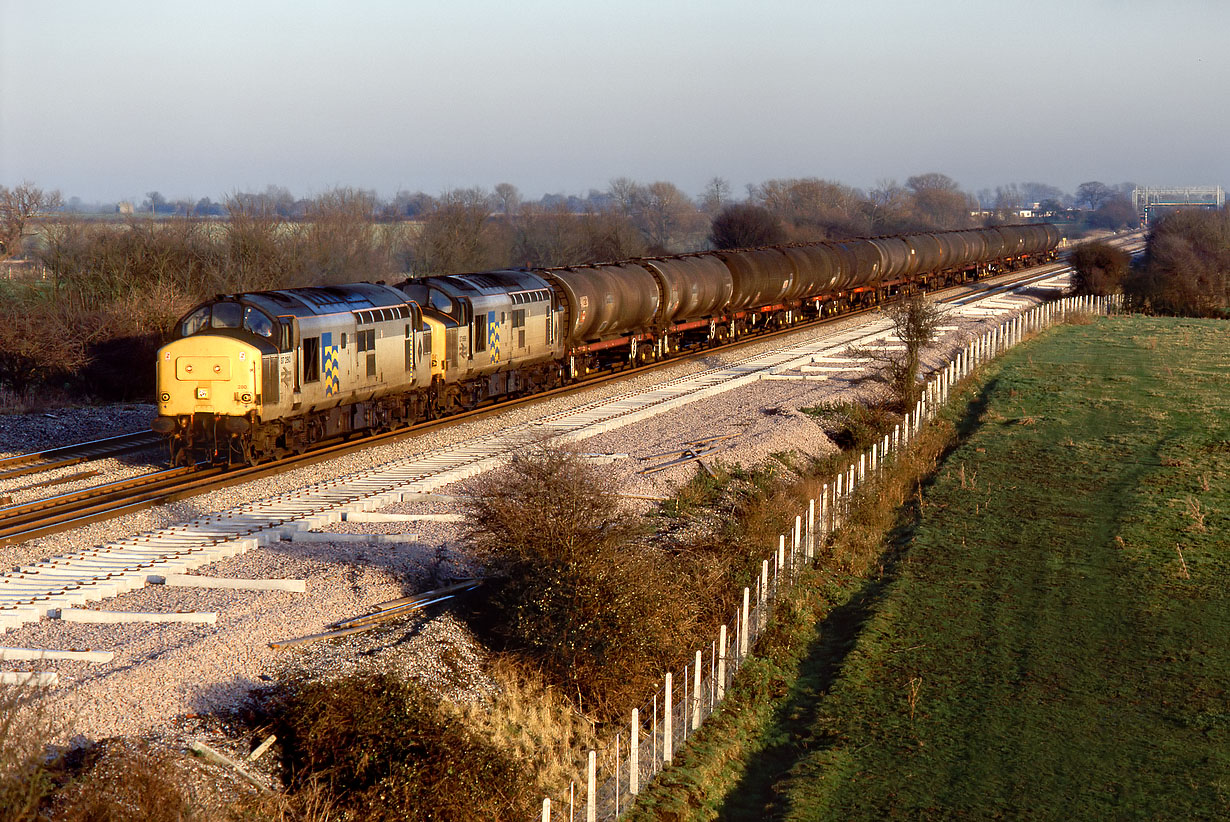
{"points": [[217, 369], [245, 398], [165, 396], [187, 367]]}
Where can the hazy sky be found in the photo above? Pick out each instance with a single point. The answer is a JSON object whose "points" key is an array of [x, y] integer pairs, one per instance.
{"points": [[109, 100]]}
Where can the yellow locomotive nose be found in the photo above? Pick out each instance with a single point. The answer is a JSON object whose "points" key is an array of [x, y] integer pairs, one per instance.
{"points": [[207, 374]]}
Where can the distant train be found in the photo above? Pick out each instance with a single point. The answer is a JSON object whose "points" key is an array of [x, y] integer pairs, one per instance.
{"points": [[259, 375]]}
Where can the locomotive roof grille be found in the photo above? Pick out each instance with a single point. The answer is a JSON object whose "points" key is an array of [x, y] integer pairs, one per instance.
{"points": [[522, 297], [376, 315]]}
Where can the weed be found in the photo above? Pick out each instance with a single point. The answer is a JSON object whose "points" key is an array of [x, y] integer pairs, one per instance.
{"points": [[25, 778], [1195, 511]]}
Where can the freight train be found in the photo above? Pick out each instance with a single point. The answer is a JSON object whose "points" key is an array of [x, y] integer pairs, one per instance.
{"points": [[257, 376]]}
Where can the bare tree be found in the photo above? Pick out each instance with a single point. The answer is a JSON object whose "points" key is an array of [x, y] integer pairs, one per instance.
{"points": [[1093, 194], [916, 321], [627, 194], [548, 236], [17, 206], [887, 206], [507, 198], [454, 236], [939, 200], [668, 218], [715, 195]]}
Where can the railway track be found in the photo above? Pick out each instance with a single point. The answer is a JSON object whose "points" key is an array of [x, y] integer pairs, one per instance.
{"points": [[32, 591], [21, 523], [64, 456]]}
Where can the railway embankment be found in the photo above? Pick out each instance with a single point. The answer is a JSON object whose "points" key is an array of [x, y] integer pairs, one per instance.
{"points": [[1039, 631]]}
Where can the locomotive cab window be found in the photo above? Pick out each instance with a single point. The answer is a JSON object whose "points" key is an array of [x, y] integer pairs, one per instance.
{"points": [[257, 322], [227, 315], [196, 321]]}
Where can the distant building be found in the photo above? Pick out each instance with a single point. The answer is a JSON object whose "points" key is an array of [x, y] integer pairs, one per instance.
{"points": [[123, 208], [1154, 202]]}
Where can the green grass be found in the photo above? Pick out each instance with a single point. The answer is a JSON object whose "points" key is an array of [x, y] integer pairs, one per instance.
{"points": [[1057, 641], [1034, 646]]}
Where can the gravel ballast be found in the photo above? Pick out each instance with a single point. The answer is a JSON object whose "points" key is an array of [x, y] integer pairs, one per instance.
{"points": [[161, 673]]}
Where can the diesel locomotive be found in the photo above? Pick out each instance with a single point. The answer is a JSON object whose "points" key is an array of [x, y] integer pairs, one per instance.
{"points": [[259, 375]]}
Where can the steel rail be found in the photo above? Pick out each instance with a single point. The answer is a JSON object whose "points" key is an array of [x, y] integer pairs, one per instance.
{"points": [[65, 455], [20, 523]]}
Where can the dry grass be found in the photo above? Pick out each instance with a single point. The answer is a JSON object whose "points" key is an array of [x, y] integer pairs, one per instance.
{"points": [[534, 723], [25, 775]]}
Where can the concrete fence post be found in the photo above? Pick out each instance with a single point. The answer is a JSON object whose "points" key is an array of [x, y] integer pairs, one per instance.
{"points": [[721, 666], [634, 754], [837, 500], [798, 540], [810, 551], [668, 736], [546, 810], [764, 587], [696, 692], [875, 452], [862, 468], [747, 593]]}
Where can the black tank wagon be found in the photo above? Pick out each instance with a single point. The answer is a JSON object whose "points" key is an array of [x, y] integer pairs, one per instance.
{"points": [[255, 376]]}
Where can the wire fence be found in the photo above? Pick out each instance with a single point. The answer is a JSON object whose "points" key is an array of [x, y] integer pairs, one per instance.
{"points": [[657, 731]]}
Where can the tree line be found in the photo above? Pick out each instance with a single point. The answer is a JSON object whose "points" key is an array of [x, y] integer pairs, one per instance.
{"points": [[1185, 269], [114, 289]]}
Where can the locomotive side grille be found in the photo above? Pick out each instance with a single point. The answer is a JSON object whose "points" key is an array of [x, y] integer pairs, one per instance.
{"points": [[269, 378]]}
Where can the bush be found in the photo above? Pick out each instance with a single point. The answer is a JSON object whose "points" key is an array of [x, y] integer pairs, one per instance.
{"points": [[853, 426], [1099, 268], [745, 225], [573, 589], [1187, 266], [384, 749]]}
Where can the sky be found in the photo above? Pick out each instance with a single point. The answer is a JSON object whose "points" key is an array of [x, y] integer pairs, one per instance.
{"points": [[110, 100]]}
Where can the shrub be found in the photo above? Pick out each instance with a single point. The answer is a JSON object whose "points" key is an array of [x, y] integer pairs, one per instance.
{"points": [[382, 748], [1187, 266], [1099, 268], [745, 225], [573, 589]]}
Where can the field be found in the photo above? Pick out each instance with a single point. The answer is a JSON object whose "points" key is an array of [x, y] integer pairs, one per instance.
{"points": [[1052, 639]]}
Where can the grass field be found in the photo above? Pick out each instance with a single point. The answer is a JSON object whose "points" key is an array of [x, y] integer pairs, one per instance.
{"points": [[1057, 643], [1053, 639]]}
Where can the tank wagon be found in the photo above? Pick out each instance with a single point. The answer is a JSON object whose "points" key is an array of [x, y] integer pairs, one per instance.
{"points": [[259, 375]]}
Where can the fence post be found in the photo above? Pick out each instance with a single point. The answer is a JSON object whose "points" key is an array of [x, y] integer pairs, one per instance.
{"points": [[668, 741], [591, 796], [634, 755], [811, 527], [779, 570], [747, 592], [546, 810], [798, 540], [837, 499], [696, 693], [721, 666]]}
